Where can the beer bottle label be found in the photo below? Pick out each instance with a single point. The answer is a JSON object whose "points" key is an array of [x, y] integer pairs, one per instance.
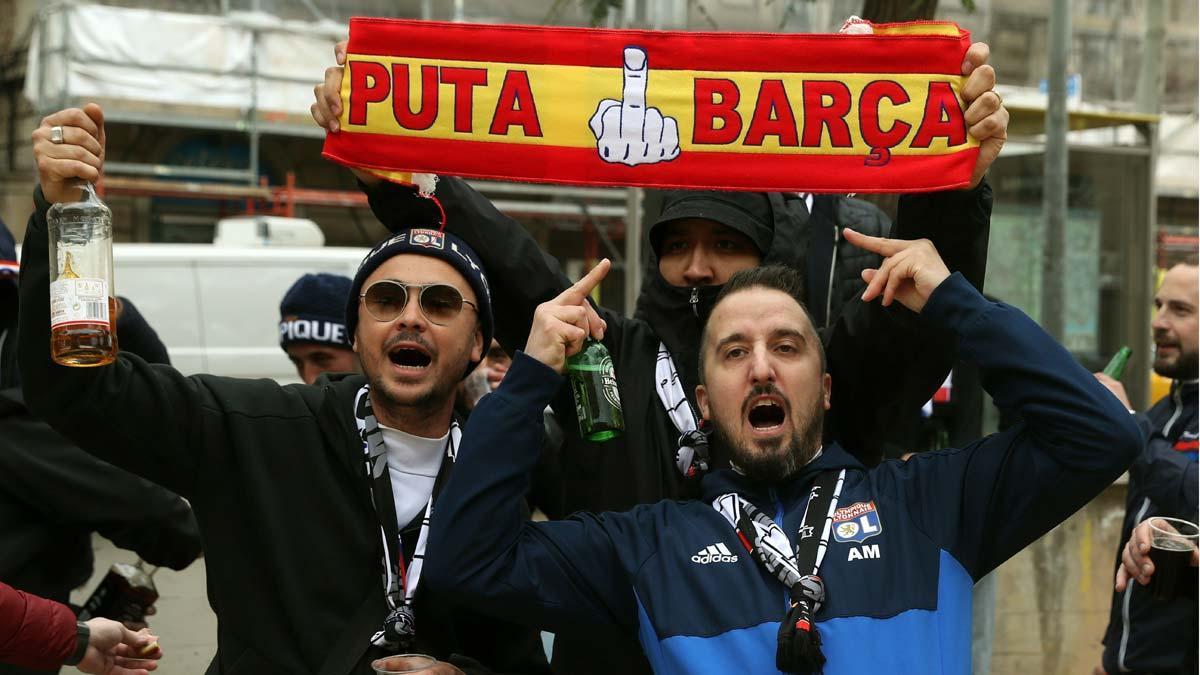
{"points": [[609, 383], [78, 301]]}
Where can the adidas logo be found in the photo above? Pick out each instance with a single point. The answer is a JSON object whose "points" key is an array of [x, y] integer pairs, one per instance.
{"points": [[717, 553]]}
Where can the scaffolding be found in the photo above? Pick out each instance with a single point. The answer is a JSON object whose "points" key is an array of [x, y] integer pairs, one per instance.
{"points": [[260, 84]]}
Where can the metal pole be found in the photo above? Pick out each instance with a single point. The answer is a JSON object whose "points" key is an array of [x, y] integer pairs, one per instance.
{"points": [[1139, 285], [1054, 196], [252, 113], [460, 13], [427, 9], [633, 249]]}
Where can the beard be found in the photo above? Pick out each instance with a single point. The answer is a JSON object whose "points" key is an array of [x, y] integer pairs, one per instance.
{"points": [[1182, 368], [790, 453]]}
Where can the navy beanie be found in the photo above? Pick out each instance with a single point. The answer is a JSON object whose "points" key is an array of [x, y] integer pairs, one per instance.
{"points": [[312, 311], [436, 244]]}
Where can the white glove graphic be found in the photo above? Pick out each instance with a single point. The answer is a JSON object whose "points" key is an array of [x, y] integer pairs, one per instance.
{"points": [[627, 132]]}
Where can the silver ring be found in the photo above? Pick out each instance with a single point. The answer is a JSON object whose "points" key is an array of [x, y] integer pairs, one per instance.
{"points": [[56, 135], [999, 97]]}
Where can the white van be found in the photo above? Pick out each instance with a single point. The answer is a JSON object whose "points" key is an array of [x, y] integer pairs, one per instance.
{"points": [[217, 308]]}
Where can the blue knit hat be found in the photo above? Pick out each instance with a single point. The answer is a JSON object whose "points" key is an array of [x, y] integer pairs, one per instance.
{"points": [[436, 244], [312, 311]]}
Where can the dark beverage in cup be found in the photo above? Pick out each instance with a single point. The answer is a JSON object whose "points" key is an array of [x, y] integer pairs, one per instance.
{"points": [[1172, 565], [1172, 542]]}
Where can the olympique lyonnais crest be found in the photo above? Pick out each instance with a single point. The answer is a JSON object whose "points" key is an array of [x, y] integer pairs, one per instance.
{"points": [[428, 238], [877, 112], [856, 523]]}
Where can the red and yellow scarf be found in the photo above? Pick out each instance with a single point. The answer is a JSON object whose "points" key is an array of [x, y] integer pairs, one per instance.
{"points": [[745, 111]]}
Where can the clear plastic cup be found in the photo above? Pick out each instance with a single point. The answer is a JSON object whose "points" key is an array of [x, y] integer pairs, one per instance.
{"points": [[1171, 544]]}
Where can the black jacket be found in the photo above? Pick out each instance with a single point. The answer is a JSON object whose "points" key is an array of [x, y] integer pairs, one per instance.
{"points": [[274, 474], [884, 365], [1146, 635], [54, 495]]}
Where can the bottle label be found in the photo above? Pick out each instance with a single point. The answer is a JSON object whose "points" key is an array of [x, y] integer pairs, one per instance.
{"points": [[609, 383], [78, 301]]}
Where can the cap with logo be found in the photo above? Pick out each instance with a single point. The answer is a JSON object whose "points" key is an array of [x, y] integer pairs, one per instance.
{"points": [[435, 244]]}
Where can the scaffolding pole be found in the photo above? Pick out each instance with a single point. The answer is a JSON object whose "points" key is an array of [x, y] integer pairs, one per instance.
{"points": [[1054, 194]]}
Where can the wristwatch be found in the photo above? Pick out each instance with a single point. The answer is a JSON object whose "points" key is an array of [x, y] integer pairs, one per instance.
{"points": [[83, 635]]}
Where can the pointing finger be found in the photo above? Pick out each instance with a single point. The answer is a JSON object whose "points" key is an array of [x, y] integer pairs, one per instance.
{"points": [[880, 245], [633, 94], [581, 289]]}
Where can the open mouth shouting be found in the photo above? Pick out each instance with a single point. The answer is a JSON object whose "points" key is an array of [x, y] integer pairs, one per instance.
{"points": [[409, 358], [766, 414]]}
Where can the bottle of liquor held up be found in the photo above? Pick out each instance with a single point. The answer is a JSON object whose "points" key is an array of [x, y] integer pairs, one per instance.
{"points": [[594, 385], [82, 305], [124, 594]]}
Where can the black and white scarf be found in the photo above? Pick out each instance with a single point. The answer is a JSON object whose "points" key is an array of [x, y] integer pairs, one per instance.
{"points": [[691, 454], [400, 577]]}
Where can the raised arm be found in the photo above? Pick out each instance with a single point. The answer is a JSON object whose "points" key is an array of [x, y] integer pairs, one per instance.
{"points": [[986, 502], [483, 550], [143, 418], [887, 362]]}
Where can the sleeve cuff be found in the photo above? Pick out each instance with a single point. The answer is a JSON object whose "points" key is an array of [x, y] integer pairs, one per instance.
{"points": [[83, 635], [954, 302]]}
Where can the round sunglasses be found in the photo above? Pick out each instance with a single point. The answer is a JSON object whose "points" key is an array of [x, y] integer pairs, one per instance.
{"points": [[440, 303]]}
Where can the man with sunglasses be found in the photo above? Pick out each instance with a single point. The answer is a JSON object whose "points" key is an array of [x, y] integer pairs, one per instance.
{"points": [[313, 501]]}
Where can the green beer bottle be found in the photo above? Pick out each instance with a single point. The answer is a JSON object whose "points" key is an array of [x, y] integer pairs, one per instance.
{"points": [[594, 385], [1116, 366]]}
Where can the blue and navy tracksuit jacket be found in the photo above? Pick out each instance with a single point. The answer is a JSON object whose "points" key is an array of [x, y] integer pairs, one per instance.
{"points": [[1147, 635], [898, 581]]}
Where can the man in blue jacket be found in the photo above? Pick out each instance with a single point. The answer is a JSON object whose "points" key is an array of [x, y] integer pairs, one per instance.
{"points": [[799, 556], [1147, 635]]}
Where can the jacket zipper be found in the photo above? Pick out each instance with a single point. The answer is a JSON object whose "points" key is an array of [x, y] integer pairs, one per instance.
{"points": [[1125, 601], [1177, 403], [1177, 399], [787, 594], [694, 301]]}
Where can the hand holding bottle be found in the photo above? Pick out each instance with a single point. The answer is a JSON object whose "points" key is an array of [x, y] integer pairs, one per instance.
{"points": [[69, 147], [561, 325]]}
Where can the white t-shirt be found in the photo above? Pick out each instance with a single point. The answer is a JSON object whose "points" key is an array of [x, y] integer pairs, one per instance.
{"points": [[413, 464]]}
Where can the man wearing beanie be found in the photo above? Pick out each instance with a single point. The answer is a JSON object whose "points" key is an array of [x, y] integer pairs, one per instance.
{"points": [[313, 500], [312, 326]]}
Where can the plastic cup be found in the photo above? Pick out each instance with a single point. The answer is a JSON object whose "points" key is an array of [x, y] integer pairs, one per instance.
{"points": [[1171, 544], [403, 663]]}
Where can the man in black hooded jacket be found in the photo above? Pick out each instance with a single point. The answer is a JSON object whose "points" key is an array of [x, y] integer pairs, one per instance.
{"points": [[887, 364]]}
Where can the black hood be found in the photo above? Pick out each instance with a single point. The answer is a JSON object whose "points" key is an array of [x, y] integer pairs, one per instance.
{"points": [[677, 313]]}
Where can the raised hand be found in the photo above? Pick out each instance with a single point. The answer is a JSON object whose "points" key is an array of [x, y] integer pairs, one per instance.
{"points": [[910, 271], [987, 119], [561, 325], [627, 132], [67, 147], [328, 94]]}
